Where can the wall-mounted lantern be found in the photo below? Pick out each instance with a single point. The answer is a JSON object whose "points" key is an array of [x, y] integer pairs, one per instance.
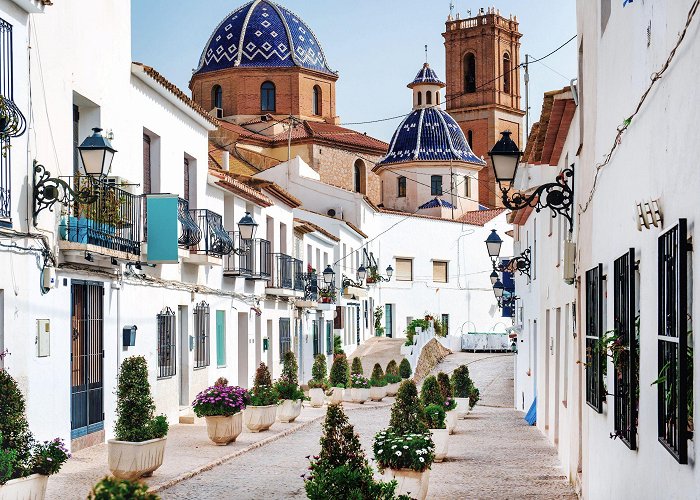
{"points": [[129, 335]]}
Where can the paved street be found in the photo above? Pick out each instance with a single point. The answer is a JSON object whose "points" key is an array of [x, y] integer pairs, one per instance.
{"points": [[493, 453]]}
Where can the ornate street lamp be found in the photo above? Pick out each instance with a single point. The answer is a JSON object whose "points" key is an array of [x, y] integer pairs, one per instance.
{"points": [[493, 244], [494, 277], [361, 273], [498, 289], [328, 275], [557, 196], [97, 154], [520, 263], [247, 228]]}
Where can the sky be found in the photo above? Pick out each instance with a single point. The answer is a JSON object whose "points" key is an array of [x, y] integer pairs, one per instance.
{"points": [[377, 46]]}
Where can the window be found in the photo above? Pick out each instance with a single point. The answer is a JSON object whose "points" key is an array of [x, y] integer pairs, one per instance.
{"points": [[506, 73], [146, 164], [596, 358], [17, 128], [329, 337], [626, 374], [268, 97], [285, 337], [359, 176], [404, 269], [439, 271], [437, 97], [167, 350], [469, 73], [675, 348], [217, 96], [467, 186], [436, 185], [186, 178], [389, 320], [446, 324], [402, 187], [420, 98], [317, 100], [201, 335], [316, 325], [470, 139], [220, 338], [428, 97]]}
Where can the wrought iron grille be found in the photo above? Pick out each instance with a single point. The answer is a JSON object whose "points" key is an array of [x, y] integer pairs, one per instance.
{"points": [[167, 350], [201, 335], [255, 262], [674, 351], [329, 337], [215, 239], [316, 325], [626, 371], [282, 271], [285, 337], [5, 186], [595, 389], [189, 234], [310, 285]]}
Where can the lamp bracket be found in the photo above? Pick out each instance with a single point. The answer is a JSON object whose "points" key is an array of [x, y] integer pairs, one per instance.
{"points": [[348, 282], [51, 190], [521, 263]]}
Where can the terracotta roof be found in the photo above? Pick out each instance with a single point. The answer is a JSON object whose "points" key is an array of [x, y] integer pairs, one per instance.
{"points": [[349, 224], [239, 188], [547, 137], [520, 217], [420, 216], [241, 161], [282, 194], [356, 229], [317, 228], [480, 217], [177, 92]]}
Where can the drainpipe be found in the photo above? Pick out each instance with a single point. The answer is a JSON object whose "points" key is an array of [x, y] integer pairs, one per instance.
{"points": [[225, 161]]}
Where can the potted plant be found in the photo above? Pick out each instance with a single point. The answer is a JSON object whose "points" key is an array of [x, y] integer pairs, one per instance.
{"points": [[473, 397], [318, 383], [404, 451], [435, 420], [462, 385], [392, 377], [377, 383], [341, 469], [450, 405], [405, 369], [139, 443], [359, 391], [378, 315], [222, 405], [326, 295], [288, 391], [111, 488], [339, 377], [261, 411]]}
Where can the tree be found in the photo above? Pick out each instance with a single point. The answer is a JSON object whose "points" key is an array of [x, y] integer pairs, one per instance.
{"points": [[461, 382], [407, 411], [340, 376], [377, 374], [319, 372], [262, 375], [405, 369], [357, 367], [337, 345], [445, 386], [430, 392], [392, 368], [290, 368], [15, 437]]}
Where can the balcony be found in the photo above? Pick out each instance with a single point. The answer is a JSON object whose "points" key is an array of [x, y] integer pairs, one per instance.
{"points": [[214, 243], [254, 263], [285, 276], [189, 234], [110, 225], [310, 288]]}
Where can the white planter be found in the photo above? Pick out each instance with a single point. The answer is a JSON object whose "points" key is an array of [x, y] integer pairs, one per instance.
{"points": [[451, 420], [337, 395], [409, 482], [25, 488], [347, 395], [392, 389], [224, 430], [377, 393], [259, 418], [441, 438], [131, 461], [359, 395], [462, 407], [289, 410], [317, 397]]}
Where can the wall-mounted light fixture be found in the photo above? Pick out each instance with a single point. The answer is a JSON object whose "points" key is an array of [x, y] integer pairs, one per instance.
{"points": [[521, 263]]}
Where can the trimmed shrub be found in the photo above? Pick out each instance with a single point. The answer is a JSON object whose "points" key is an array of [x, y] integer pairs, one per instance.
{"points": [[445, 385], [262, 375], [340, 374], [378, 378], [461, 382], [290, 368], [287, 386], [357, 367], [405, 369], [111, 488], [392, 368], [435, 417], [430, 392], [263, 392], [337, 345], [319, 372], [407, 411], [14, 430], [473, 397]]}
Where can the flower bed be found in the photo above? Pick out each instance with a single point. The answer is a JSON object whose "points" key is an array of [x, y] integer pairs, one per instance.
{"points": [[403, 451]]}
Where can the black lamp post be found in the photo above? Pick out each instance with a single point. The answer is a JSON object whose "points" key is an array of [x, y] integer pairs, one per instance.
{"points": [[96, 153], [520, 263], [247, 228], [494, 277], [328, 276], [557, 196]]}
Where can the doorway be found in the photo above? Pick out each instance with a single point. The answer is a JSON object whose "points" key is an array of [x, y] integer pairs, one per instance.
{"points": [[184, 356], [389, 320], [243, 350]]}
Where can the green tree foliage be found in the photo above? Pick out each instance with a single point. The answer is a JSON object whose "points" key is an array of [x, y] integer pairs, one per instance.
{"points": [[392, 368], [340, 374], [435, 417], [262, 375], [461, 382], [111, 488], [445, 385], [263, 392], [290, 368], [16, 439], [357, 367], [407, 411], [337, 345], [319, 372], [377, 378], [430, 392], [405, 369]]}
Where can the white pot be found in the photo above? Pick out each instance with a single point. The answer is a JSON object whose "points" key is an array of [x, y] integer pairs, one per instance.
{"points": [[392, 389], [377, 393], [224, 430], [441, 438], [259, 418], [317, 397], [289, 410], [337, 395], [131, 461], [451, 420], [347, 395], [462, 407], [359, 395], [409, 482], [25, 488]]}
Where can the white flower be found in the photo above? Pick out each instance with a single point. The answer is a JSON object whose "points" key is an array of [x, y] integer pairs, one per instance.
{"points": [[398, 453], [393, 447], [422, 459], [405, 447]]}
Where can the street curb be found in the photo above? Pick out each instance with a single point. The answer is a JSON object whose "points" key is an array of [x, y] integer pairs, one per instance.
{"points": [[251, 447]]}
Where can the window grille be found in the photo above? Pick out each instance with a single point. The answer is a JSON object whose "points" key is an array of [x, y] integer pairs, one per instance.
{"points": [[15, 124], [436, 185], [201, 335], [285, 337], [167, 350], [329, 337], [402, 187], [317, 336], [595, 392]]}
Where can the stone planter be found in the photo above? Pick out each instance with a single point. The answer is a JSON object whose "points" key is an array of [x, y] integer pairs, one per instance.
{"points": [[337, 395], [25, 488], [377, 393], [131, 461], [359, 395], [392, 389], [259, 418], [462, 407], [441, 438], [224, 430], [409, 482], [347, 395], [289, 410], [317, 397], [451, 420]]}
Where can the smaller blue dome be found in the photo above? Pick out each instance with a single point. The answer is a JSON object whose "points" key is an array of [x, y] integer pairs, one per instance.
{"points": [[426, 75]]}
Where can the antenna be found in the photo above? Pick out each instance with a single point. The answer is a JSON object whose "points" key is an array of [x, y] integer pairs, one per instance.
{"points": [[426, 54], [452, 8]]}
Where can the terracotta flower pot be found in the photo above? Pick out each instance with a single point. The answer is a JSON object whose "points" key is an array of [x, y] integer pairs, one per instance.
{"points": [[462, 407], [289, 410], [359, 395], [224, 430], [131, 461], [377, 393], [337, 395], [441, 438], [392, 389], [451, 420], [259, 418], [25, 488], [317, 397], [409, 482]]}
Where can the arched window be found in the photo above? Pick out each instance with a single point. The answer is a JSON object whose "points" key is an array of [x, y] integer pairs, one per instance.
{"points": [[402, 187], [420, 98], [506, 73], [470, 138], [428, 97], [436, 185], [469, 73], [268, 97], [217, 97], [317, 100], [359, 184], [437, 97]]}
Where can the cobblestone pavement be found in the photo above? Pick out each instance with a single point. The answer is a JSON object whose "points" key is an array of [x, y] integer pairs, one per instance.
{"points": [[493, 453]]}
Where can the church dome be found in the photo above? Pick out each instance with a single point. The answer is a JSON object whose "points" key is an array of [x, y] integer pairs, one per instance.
{"points": [[262, 34], [426, 76]]}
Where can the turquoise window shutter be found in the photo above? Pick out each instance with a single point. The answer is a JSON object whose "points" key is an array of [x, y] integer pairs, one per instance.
{"points": [[221, 338], [162, 226]]}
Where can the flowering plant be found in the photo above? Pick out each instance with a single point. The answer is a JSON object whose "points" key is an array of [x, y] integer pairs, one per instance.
{"points": [[450, 404], [435, 417], [413, 451], [358, 381], [49, 456], [220, 401]]}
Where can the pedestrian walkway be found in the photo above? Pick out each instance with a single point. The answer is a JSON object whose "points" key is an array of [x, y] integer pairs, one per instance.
{"points": [[378, 350]]}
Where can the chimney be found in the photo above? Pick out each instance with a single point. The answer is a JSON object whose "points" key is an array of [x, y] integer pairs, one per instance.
{"points": [[225, 160]]}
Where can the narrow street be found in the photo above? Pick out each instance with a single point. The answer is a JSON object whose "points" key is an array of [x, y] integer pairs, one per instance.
{"points": [[493, 454]]}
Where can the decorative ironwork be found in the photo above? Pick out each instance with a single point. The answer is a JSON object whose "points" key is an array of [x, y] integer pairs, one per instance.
{"points": [[311, 288], [51, 190], [167, 348], [12, 121], [521, 263], [190, 234], [349, 282], [285, 335], [201, 335], [557, 196], [215, 239], [286, 272], [595, 389], [255, 262]]}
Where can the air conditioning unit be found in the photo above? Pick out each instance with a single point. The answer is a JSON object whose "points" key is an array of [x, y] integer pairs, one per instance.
{"points": [[336, 212], [121, 183], [569, 267], [217, 113]]}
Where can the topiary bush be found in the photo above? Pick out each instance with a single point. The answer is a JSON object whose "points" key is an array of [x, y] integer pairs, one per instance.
{"points": [[446, 391], [407, 411], [263, 392], [287, 386], [357, 367], [337, 345], [461, 382], [319, 373], [392, 368], [290, 368], [14, 429], [430, 392], [378, 379], [435, 417], [473, 397], [405, 369], [340, 375], [111, 488], [135, 406]]}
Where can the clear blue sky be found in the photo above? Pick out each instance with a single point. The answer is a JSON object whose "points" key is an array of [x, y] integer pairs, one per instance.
{"points": [[376, 45]]}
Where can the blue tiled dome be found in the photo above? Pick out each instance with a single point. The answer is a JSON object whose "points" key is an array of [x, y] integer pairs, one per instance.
{"points": [[426, 75], [262, 34], [429, 134]]}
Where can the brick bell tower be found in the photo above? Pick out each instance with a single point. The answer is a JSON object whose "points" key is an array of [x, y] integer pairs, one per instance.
{"points": [[483, 88]]}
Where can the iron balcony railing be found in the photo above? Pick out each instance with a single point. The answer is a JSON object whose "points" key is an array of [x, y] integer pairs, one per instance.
{"points": [[112, 220], [254, 262], [310, 282], [215, 240], [285, 272], [189, 234]]}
